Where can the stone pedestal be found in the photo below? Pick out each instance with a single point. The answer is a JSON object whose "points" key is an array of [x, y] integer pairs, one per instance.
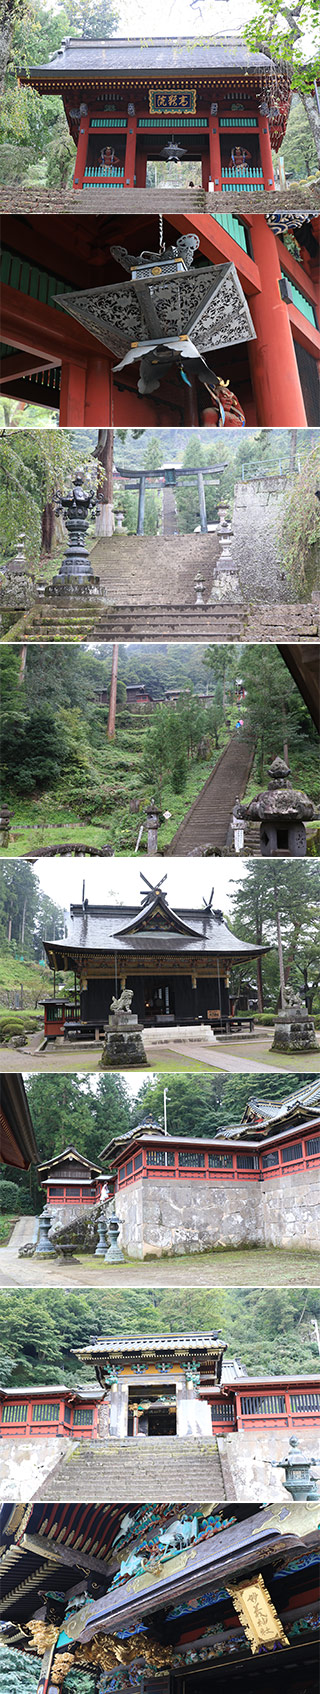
{"points": [[43, 1243], [114, 1255], [123, 1045], [294, 1031]]}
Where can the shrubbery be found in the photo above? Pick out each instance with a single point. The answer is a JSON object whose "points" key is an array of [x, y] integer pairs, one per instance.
{"points": [[13, 1199]]}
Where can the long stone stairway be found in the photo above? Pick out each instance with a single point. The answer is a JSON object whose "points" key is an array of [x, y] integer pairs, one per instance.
{"points": [[155, 1468], [208, 819]]}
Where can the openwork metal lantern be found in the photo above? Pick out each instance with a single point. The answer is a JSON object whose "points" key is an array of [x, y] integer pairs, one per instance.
{"points": [[167, 313]]}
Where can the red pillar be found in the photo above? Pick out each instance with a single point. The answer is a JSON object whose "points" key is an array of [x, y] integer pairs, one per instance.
{"points": [[141, 170], [265, 151], [205, 170], [72, 393], [214, 150], [274, 370], [82, 151], [98, 391], [130, 159]]}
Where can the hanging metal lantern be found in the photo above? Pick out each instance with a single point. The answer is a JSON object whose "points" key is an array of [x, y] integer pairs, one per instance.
{"points": [[172, 152], [168, 313]]}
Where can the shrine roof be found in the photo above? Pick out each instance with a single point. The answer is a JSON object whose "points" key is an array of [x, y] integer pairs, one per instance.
{"points": [[202, 1341], [118, 56], [73, 1156], [150, 928], [18, 1145], [262, 1112]]}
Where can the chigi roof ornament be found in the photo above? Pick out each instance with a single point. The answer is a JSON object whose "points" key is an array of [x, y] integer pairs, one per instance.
{"points": [[169, 314]]}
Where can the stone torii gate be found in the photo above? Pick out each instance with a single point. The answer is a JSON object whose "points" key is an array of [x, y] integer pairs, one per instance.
{"points": [[167, 476]]}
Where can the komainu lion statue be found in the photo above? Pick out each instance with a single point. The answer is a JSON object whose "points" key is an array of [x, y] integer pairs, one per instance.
{"points": [[123, 1004]]}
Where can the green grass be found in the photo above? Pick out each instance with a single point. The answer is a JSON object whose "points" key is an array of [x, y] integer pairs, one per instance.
{"points": [[260, 1267], [102, 816], [7, 1224]]}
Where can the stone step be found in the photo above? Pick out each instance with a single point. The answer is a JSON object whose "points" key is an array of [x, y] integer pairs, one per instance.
{"points": [[208, 819], [154, 1468], [278, 623]]}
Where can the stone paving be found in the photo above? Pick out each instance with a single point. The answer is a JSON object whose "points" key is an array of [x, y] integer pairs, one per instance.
{"points": [[233, 1055]]}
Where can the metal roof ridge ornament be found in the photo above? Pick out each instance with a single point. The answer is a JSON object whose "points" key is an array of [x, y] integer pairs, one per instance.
{"points": [[168, 315]]}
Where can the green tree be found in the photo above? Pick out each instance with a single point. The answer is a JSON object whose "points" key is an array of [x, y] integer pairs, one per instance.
{"points": [[301, 528], [34, 468], [298, 148], [286, 889], [289, 36]]}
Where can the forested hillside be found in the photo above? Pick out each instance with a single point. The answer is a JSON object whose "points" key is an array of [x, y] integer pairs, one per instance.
{"points": [[267, 1331], [65, 780]]}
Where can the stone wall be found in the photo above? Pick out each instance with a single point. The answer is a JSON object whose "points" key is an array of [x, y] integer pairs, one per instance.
{"points": [[257, 514], [291, 1210], [185, 1216], [61, 1215], [250, 1458]]}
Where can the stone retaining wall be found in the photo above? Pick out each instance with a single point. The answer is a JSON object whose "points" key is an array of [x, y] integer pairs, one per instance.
{"points": [[250, 1458], [257, 517], [186, 1216]]}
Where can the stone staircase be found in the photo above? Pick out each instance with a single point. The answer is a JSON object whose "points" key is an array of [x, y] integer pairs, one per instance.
{"points": [[98, 621], [208, 819], [157, 1468]]}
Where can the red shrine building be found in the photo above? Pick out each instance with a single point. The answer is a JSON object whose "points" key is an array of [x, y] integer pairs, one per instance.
{"points": [[133, 103]]}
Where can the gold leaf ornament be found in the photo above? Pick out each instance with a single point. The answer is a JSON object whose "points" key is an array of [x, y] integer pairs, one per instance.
{"points": [[257, 1614]]}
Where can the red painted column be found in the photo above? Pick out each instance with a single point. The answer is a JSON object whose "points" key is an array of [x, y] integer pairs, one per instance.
{"points": [[205, 164], [214, 150], [289, 1418], [72, 393], [130, 159], [141, 170], [274, 370], [265, 151], [82, 152], [98, 391]]}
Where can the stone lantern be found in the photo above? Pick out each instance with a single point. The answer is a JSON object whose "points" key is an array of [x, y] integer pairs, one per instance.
{"points": [[152, 822], [114, 1255], [199, 586], [299, 1481], [17, 586], [75, 508], [102, 1237], [5, 821], [43, 1243], [282, 812], [226, 583]]}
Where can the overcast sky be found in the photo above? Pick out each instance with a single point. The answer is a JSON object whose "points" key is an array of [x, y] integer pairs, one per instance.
{"points": [[175, 17], [119, 879]]}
